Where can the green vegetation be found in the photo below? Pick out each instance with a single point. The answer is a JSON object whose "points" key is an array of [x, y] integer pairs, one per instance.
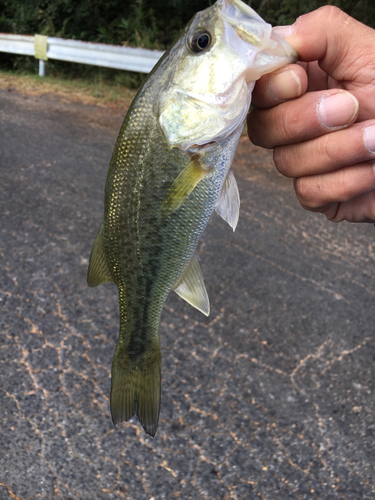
{"points": [[138, 23], [280, 12]]}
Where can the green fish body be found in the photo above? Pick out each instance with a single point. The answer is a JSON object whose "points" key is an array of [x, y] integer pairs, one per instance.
{"points": [[169, 171]]}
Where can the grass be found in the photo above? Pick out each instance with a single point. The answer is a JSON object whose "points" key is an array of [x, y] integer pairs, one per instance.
{"points": [[91, 92]]}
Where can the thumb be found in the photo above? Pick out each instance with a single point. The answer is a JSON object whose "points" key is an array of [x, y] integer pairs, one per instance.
{"points": [[341, 44]]}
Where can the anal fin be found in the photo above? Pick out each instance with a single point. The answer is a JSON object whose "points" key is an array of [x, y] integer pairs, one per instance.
{"points": [[98, 271], [228, 204], [191, 287]]}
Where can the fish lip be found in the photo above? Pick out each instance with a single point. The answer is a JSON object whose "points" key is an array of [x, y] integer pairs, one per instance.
{"points": [[285, 45], [282, 45], [247, 36], [250, 37], [246, 9]]}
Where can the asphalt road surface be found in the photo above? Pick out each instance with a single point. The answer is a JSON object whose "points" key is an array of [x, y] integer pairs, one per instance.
{"points": [[271, 397]]}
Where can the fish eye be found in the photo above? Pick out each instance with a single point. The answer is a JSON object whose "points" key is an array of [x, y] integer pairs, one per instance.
{"points": [[200, 40]]}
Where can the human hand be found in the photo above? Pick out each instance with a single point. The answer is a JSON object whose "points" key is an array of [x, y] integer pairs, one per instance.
{"points": [[319, 115]]}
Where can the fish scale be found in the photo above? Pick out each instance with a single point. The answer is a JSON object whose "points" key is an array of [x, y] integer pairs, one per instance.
{"points": [[163, 184]]}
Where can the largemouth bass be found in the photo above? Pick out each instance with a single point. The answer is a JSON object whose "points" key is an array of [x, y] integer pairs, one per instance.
{"points": [[169, 171]]}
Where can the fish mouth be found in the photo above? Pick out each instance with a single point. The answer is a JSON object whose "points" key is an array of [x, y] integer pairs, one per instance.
{"points": [[284, 45], [252, 29], [246, 9]]}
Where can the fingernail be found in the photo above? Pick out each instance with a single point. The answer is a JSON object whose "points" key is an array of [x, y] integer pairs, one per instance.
{"points": [[285, 85], [337, 110], [369, 138], [284, 31]]}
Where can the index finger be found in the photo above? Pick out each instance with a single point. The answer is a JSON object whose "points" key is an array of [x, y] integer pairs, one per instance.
{"points": [[332, 37]]}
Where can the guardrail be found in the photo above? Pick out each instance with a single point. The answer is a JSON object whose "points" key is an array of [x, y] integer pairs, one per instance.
{"points": [[97, 54]]}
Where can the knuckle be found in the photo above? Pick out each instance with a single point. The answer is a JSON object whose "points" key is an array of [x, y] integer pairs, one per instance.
{"points": [[259, 129], [330, 12], [327, 14], [307, 195], [343, 185], [280, 161], [349, 187], [252, 130], [328, 149], [334, 213], [285, 122]]}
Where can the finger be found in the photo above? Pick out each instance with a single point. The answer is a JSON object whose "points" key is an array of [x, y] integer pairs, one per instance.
{"points": [[359, 209], [327, 153], [309, 116], [286, 83], [333, 38], [317, 192], [319, 79]]}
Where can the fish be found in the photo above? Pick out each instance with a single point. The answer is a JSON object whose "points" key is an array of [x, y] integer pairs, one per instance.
{"points": [[170, 170]]}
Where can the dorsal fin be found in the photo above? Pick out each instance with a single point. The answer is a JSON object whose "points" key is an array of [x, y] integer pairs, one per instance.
{"points": [[98, 271], [191, 287], [228, 204]]}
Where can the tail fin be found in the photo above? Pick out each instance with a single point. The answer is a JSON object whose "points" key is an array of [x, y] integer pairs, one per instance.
{"points": [[136, 389]]}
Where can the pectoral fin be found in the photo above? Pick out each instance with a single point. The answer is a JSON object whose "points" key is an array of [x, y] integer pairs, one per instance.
{"points": [[228, 204], [98, 271], [184, 185], [191, 287]]}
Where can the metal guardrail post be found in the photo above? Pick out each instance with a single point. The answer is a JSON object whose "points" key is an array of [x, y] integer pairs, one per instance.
{"points": [[40, 52], [42, 71]]}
